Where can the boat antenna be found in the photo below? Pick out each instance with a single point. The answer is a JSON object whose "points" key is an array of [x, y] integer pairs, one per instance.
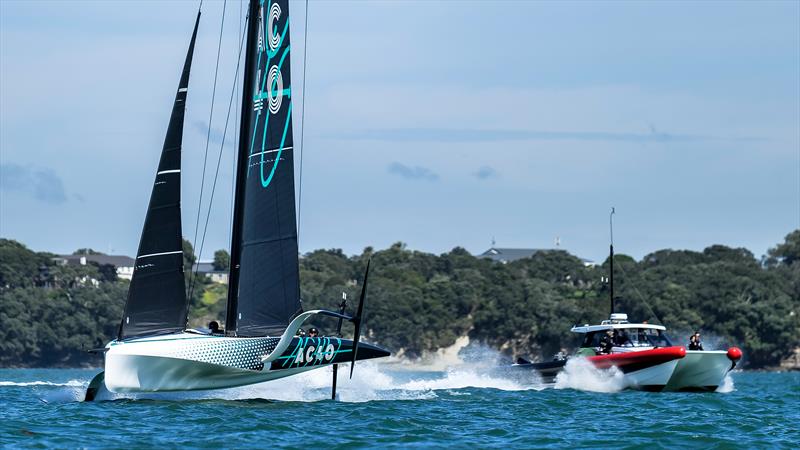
{"points": [[611, 258]]}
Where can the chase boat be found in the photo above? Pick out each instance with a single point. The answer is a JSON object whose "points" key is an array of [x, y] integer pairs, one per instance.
{"points": [[694, 370], [642, 352], [645, 355]]}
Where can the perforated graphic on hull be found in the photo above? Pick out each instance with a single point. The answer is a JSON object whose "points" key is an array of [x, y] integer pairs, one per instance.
{"points": [[241, 353]]}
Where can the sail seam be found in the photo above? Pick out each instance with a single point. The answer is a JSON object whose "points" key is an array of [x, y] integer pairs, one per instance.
{"points": [[168, 205], [159, 254], [271, 151], [265, 241]]}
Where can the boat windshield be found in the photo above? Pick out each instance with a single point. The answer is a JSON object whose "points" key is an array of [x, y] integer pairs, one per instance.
{"points": [[630, 337], [648, 337]]}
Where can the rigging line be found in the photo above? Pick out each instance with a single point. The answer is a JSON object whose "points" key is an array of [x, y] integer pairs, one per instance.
{"points": [[235, 140], [219, 160], [208, 138], [302, 126], [641, 297]]}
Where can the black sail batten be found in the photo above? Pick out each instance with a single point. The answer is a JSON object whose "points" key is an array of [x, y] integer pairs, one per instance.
{"points": [[157, 302], [264, 290]]}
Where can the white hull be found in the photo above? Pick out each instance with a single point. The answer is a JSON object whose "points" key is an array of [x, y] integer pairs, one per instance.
{"points": [[700, 370], [134, 373], [188, 361], [651, 378]]}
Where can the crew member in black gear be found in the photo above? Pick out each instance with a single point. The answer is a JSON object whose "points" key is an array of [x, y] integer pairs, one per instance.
{"points": [[621, 338], [607, 342], [694, 342], [313, 332], [214, 327]]}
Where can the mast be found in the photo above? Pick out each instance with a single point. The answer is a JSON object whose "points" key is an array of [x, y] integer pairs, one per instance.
{"points": [[241, 168], [157, 302], [611, 258]]}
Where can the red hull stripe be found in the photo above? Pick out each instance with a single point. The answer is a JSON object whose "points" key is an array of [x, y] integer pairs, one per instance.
{"points": [[631, 361]]}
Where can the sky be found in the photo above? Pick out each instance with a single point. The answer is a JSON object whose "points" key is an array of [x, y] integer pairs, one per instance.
{"points": [[438, 124]]}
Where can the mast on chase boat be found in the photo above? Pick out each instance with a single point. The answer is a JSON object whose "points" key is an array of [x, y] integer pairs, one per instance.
{"points": [[611, 259]]}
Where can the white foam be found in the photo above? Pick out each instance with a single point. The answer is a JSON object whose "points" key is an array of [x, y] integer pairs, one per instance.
{"points": [[70, 391], [460, 378], [581, 374], [726, 385], [386, 380], [71, 383], [371, 381]]}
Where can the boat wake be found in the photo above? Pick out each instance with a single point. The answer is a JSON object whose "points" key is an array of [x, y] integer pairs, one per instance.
{"points": [[581, 374], [52, 392], [727, 385], [376, 381], [372, 381], [72, 383]]}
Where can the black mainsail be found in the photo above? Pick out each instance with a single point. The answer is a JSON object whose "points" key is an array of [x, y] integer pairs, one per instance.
{"points": [[264, 289], [157, 302]]}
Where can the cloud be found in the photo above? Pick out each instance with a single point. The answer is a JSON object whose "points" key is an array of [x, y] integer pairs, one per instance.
{"points": [[492, 135], [215, 137], [485, 172], [412, 173], [42, 183]]}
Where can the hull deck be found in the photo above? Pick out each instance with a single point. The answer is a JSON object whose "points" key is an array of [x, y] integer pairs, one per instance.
{"points": [[188, 361]]}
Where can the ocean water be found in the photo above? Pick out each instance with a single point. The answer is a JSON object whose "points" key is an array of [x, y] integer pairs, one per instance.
{"points": [[392, 405]]}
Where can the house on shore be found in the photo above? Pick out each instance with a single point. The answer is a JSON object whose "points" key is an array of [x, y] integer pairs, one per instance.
{"points": [[507, 255], [206, 268], [122, 264]]}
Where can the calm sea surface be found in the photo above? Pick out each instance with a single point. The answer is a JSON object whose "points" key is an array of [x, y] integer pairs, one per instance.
{"points": [[388, 406]]}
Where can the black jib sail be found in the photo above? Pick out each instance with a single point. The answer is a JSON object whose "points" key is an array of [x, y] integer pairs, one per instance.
{"points": [[264, 291], [157, 302]]}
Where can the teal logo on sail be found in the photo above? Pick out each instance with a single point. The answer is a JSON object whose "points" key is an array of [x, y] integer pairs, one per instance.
{"points": [[270, 87]]}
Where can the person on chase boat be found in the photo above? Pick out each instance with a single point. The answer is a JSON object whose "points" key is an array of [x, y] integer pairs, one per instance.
{"points": [[621, 338], [694, 342], [607, 342]]}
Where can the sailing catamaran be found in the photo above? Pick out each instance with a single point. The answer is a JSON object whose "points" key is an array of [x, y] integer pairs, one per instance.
{"points": [[154, 350]]}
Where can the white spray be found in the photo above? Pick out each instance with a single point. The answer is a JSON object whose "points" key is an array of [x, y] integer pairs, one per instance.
{"points": [[581, 374]]}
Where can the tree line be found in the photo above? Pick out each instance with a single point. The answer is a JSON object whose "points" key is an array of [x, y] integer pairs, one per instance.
{"points": [[419, 302]]}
